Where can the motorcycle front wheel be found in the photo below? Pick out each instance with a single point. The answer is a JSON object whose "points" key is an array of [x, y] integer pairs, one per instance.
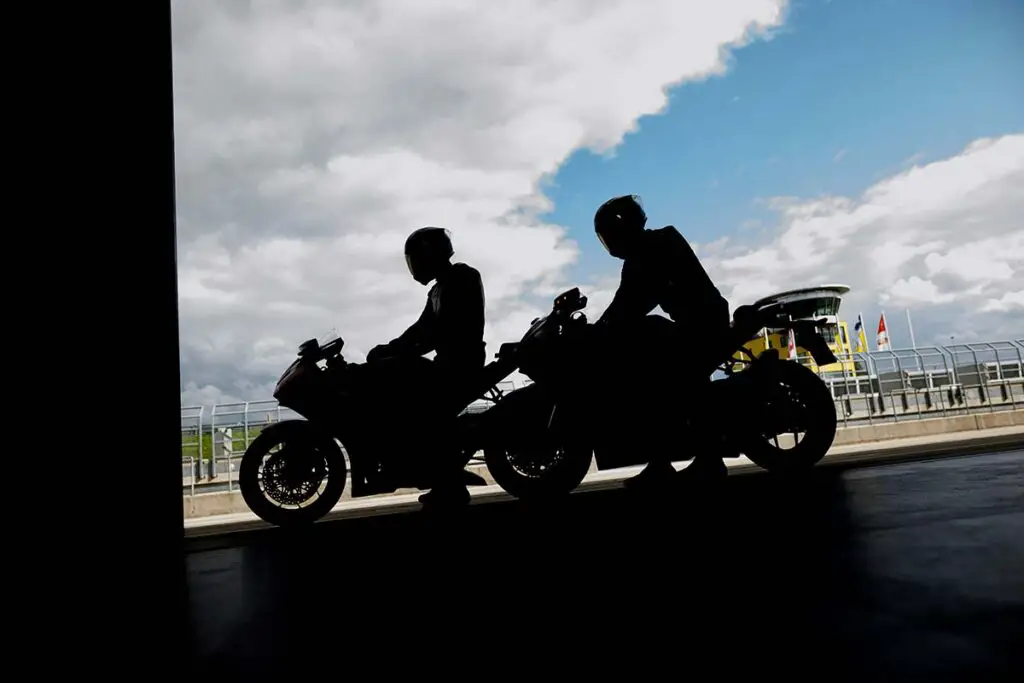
{"points": [[536, 473], [292, 475]]}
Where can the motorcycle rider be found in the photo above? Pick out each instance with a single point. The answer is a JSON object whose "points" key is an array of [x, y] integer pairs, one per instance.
{"points": [[452, 325], [661, 269]]}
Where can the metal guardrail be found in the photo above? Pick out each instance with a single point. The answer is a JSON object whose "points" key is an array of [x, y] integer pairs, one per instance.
{"points": [[890, 386], [931, 381]]}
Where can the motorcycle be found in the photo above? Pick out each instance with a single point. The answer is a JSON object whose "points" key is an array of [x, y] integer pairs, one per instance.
{"points": [[295, 471], [567, 419]]}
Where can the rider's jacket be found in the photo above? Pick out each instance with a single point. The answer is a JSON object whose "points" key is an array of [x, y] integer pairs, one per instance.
{"points": [[664, 271], [452, 323]]}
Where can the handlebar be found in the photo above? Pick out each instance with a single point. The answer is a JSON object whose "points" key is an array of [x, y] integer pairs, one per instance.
{"points": [[507, 350], [569, 302], [311, 349], [332, 347]]}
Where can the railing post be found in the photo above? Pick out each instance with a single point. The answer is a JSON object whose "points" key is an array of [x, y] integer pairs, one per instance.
{"points": [[245, 423], [977, 371], [904, 381], [1020, 371], [927, 375], [844, 406], [227, 449], [192, 469], [199, 436], [212, 471]]}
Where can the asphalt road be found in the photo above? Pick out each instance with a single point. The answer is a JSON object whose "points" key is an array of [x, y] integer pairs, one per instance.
{"points": [[912, 571]]}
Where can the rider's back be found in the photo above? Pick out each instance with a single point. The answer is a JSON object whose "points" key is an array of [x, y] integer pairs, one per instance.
{"points": [[664, 271], [457, 302], [689, 290]]}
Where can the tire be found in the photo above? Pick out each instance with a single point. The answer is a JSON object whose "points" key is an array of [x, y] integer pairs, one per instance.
{"points": [[292, 433], [557, 482], [820, 413]]}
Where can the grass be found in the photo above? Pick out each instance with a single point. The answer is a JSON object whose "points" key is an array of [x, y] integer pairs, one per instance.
{"points": [[190, 442]]}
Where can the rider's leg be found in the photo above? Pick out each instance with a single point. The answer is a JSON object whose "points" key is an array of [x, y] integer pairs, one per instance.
{"points": [[658, 446], [677, 387], [446, 459], [400, 395], [708, 461], [653, 384]]}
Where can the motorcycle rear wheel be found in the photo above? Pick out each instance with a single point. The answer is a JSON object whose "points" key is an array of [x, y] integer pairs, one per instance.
{"points": [[317, 457], [538, 473], [818, 412]]}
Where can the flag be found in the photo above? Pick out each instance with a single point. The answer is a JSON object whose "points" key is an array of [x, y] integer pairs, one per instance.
{"points": [[858, 330], [883, 335], [792, 345]]}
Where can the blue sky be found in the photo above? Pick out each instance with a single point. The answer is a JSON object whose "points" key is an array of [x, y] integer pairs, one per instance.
{"points": [[874, 81]]}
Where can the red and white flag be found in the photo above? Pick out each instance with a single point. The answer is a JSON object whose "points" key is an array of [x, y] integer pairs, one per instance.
{"points": [[792, 345], [883, 335]]}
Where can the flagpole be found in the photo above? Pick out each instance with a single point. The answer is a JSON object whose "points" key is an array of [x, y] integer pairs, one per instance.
{"points": [[910, 326]]}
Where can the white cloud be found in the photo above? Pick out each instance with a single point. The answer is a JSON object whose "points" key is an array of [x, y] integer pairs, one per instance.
{"points": [[945, 239], [311, 137], [1011, 301]]}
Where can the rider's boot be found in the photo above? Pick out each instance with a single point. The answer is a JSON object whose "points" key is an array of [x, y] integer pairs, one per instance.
{"points": [[705, 468], [658, 473], [451, 494], [448, 484]]}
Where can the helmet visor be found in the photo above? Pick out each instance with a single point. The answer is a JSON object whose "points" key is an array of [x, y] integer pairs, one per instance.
{"points": [[419, 268], [614, 244]]}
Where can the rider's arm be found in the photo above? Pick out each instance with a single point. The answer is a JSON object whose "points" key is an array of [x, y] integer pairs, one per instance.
{"points": [[418, 339], [630, 302]]}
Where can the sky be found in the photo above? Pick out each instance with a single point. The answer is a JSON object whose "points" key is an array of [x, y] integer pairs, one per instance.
{"points": [[874, 143]]}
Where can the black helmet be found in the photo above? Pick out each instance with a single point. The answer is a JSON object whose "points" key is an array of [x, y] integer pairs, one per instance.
{"points": [[618, 222], [426, 250]]}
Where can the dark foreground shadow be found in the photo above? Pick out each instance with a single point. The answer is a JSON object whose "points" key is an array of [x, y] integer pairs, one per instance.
{"points": [[901, 573]]}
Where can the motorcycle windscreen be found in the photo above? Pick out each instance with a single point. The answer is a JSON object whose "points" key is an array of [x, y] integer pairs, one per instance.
{"points": [[807, 337], [328, 337]]}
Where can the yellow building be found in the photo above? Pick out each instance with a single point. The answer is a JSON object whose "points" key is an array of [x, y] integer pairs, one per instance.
{"points": [[811, 303]]}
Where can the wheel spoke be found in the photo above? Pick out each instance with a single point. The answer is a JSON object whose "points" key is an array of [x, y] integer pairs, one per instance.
{"points": [[286, 486]]}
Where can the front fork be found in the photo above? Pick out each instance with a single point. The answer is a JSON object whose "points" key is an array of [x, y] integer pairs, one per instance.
{"points": [[562, 420], [551, 419]]}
